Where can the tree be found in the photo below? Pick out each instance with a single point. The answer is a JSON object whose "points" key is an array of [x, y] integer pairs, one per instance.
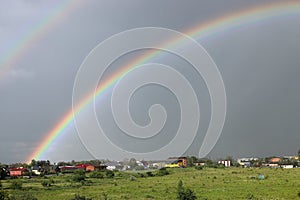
{"points": [[109, 174], [33, 163], [132, 163], [185, 193], [191, 160], [3, 194], [78, 176], [3, 173]]}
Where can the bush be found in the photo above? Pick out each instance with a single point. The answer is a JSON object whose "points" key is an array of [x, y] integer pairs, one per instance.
{"points": [[198, 167], [148, 196], [163, 172], [16, 184], [96, 175], [150, 174], [78, 176], [24, 196], [109, 174], [3, 194], [141, 175], [132, 178], [78, 197], [185, 193], [47, 183], [2, 173], [105, 196]]}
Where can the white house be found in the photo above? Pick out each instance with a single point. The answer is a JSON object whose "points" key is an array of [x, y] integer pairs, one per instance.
{"points": [[114, 165]]}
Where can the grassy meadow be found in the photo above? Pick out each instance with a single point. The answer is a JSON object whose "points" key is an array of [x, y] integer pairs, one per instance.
{"points": [[208, 183]]}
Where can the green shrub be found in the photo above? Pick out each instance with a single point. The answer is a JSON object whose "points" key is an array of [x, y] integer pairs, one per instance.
{"points": [[78, 197], [185, 193], [163, 172], [78, 176], [96, 175], [2, 173], [47, 183], [132, 178], [150, 174], [109, 174], [23, 196], [105, 196], [3, 194], [16, 184], [198, 167], [148, 196], [141, 175]]}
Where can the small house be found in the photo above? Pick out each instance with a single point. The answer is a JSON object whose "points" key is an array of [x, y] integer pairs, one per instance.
{"points": [[21, 171]]}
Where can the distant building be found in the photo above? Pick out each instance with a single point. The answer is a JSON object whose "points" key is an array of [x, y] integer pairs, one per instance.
{"points": [[275, 160], [287, 166], [17, 171], [179, 161], [87, 167], [226, 163], [114, 165], [157, 164], [246, 162], [71, 168], [200, 163]]}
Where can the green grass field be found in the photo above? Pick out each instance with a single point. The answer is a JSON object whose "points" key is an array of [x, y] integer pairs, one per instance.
{"points": [[209, 183]]}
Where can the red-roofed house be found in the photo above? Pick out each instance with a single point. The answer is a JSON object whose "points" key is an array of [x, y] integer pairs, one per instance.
{"points": [[17, 171]]}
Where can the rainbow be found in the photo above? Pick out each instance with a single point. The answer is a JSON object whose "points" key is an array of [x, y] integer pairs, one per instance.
{"points": [[210, 28], [36, 33]]}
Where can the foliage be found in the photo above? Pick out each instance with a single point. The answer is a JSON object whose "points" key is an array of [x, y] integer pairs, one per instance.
{"points": [[191, 161], [105, 196], [139, 168], [198, 167], [150, 174], [16, 184], [231, 183], [163, 172], [3, 194], [132, 163], [96, 175], [78, 197], [78, 176], [132, 178], [185, 193], [47, 183], [109, 174], [2, 173], [23, 196], [209, 163]]}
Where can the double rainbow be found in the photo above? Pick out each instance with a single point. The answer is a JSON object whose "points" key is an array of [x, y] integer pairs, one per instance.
{"points": [[214, 27]]}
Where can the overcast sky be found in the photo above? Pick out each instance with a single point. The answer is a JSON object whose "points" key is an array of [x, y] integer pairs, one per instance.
{"points": [[259, 64]]}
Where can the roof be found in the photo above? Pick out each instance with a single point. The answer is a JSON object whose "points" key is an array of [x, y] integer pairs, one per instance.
{"points": [[113, 163], [18, 169], [275, 160]]}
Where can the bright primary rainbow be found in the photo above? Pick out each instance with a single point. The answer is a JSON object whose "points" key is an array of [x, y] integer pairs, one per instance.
{"points": [[217, 26], [21, 46]]}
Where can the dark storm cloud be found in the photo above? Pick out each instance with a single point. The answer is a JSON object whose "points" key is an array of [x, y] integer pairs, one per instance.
{"points": [[259, 65]]}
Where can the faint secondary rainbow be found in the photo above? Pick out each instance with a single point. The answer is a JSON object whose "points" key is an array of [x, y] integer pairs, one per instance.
{"points": [[44, 26], [200, 32]]}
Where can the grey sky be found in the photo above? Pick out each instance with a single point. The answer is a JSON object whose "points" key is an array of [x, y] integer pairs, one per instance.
{"points": [[259, 64]]}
